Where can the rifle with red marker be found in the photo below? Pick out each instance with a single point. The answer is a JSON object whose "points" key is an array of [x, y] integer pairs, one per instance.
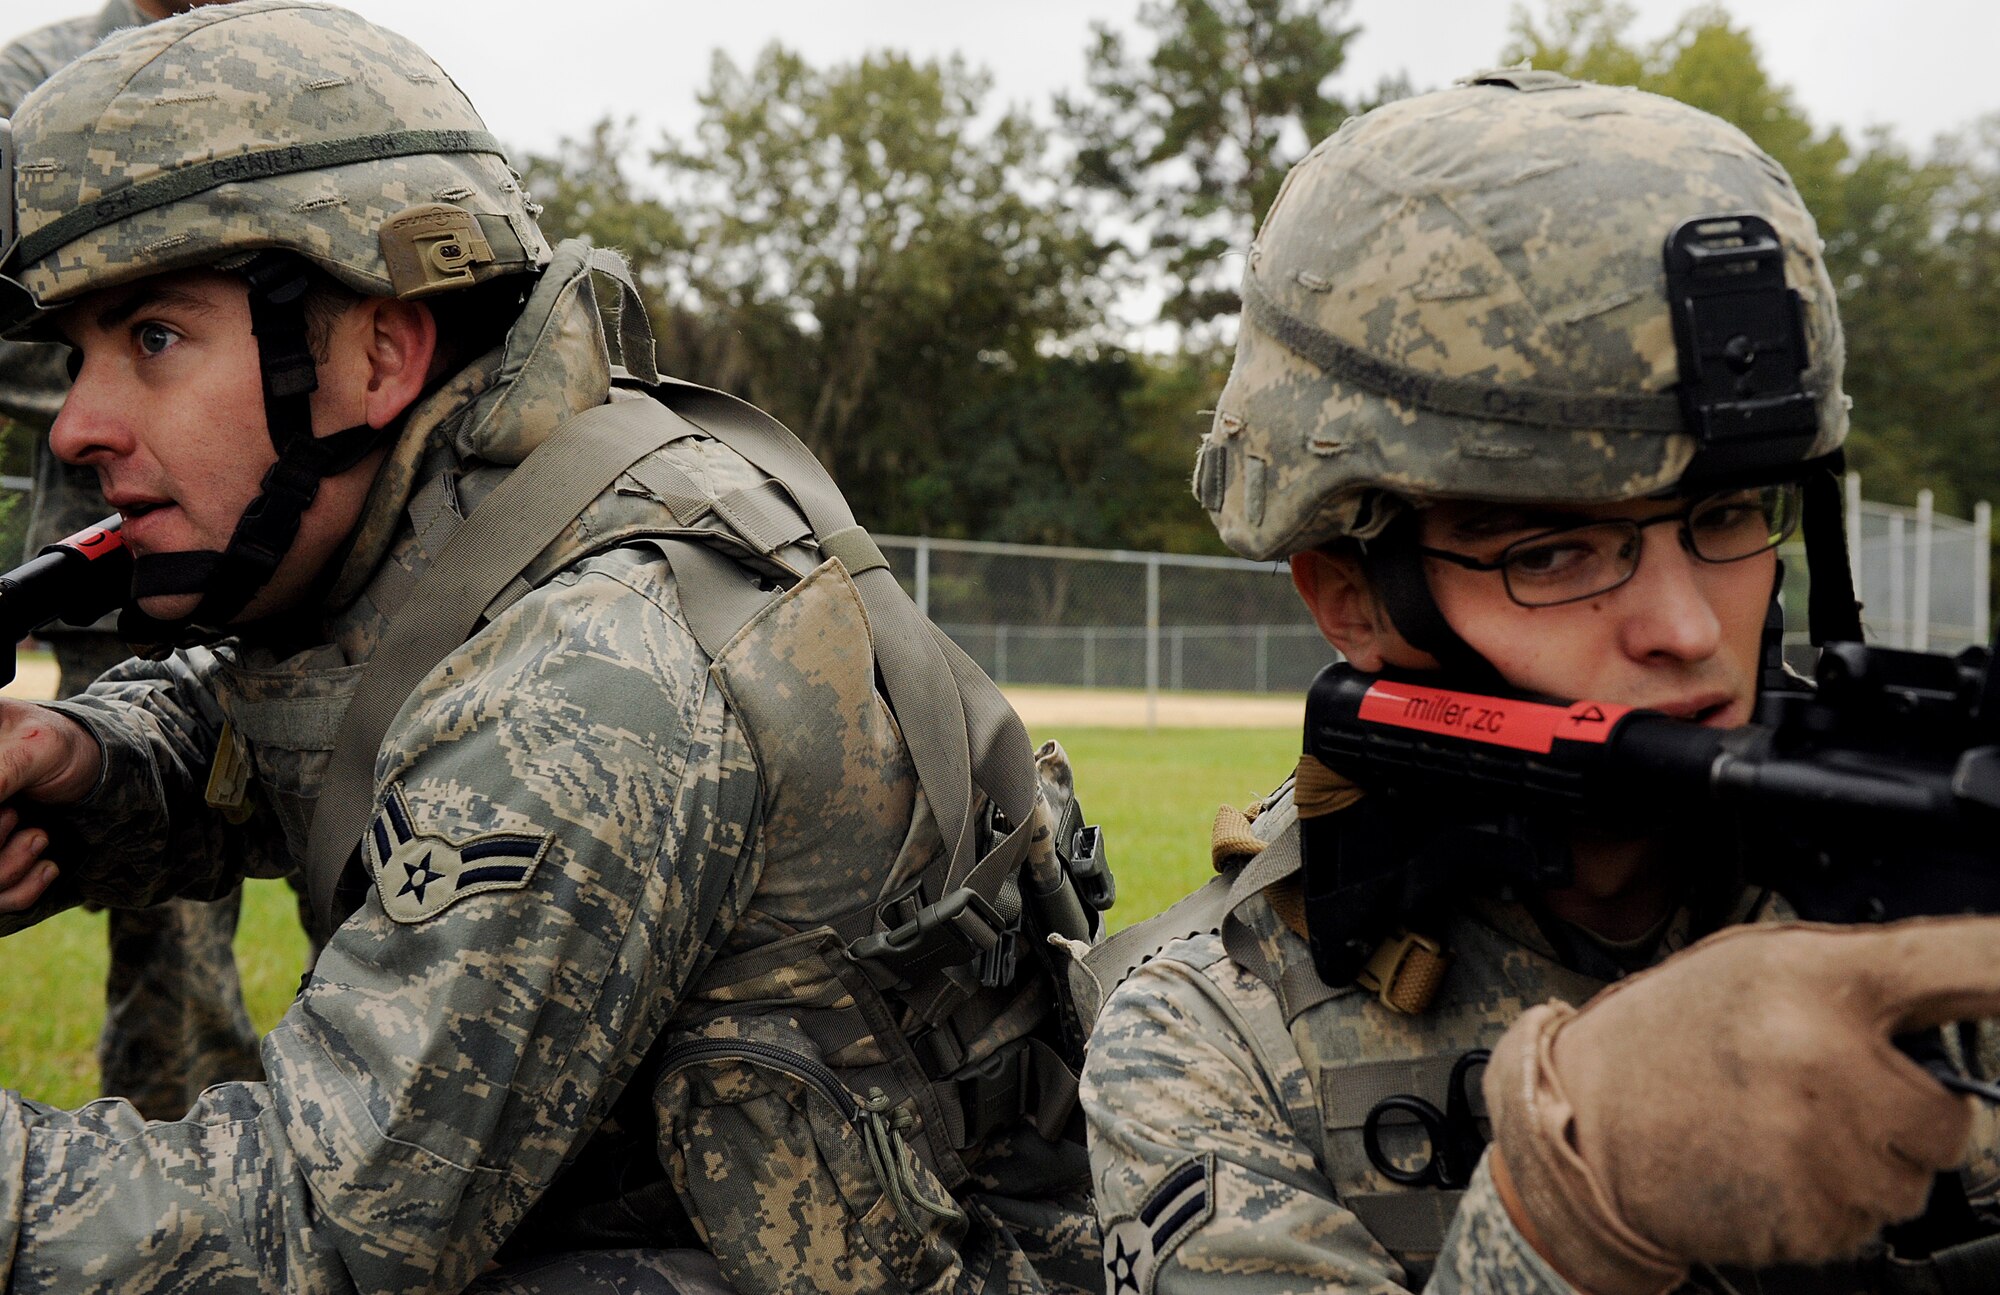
{"points": [[76, 579], [1872, 796]]}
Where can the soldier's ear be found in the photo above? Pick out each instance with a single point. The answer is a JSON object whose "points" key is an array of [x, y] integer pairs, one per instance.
{"points": [[1344, 606], [401, 341]]}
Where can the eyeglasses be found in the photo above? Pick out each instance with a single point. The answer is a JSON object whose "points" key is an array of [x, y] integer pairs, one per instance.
{"points": [[1572, 563]]}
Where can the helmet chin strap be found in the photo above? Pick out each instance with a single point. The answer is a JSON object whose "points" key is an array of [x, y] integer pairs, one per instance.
{"points": [[1396, 571], [229, 579]]}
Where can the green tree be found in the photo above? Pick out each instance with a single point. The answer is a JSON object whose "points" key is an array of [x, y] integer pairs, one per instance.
{"points": [[865, 252], [1706, 60], [1190, 139]]}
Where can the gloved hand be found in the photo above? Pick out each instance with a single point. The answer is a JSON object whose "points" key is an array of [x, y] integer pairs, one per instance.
{"points": [[1741, 1103]]}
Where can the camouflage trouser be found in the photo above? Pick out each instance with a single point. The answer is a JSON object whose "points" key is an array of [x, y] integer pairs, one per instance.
{"points": [[609, 1272], [174, 1021]]}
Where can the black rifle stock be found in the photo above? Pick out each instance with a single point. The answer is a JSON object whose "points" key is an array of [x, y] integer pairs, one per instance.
{"points": [[76, 579]]}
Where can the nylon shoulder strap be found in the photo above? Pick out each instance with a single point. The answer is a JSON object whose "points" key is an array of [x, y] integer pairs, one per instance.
{"points": [[523, 516]]}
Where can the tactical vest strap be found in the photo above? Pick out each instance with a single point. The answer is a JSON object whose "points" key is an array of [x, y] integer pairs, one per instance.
{"points": [[635, 328], [1408, 1221], [856, 549], [718, 597], [1113, 959], [522, 517], [683, 498], [1347, 1094]]}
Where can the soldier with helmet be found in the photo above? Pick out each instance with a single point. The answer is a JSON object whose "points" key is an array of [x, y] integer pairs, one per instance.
{"points": [[174, 1019], [1463, 408], [685, 893]]}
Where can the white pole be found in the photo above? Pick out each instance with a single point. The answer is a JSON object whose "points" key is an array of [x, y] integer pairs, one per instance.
{"points": [[1854, 532], [1152, 641], [1920, 611], [1982, 559], [1899, 601], [924, 577]]}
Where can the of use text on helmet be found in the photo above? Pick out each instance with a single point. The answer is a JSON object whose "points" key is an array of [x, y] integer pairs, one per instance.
{"points": [[1523, 288], [260, 138]]}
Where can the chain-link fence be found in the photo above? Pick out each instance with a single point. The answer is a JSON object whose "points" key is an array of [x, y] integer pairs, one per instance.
{"points": [[1174, 622], [1094, 618]]}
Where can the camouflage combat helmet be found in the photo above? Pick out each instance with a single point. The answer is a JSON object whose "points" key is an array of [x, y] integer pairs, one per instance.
{"points": [[258, 125], [1463, 294], [259, 138]]}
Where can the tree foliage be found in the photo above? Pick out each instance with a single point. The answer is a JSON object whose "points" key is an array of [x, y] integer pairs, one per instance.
{"points": [[1192, 137], [858, 251], [921, 285]]}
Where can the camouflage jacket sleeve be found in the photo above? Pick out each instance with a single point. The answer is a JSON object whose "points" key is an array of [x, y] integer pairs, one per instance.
{"points": [[1203, 1184], [146, 833], [571, 812]]}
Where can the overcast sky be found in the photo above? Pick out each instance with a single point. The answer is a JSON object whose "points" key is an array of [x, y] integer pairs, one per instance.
{"points": [[543, 69], [540, 70]]}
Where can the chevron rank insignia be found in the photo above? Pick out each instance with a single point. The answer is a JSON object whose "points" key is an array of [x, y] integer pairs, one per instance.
{"points": [[419, 874], [1136, 1246]]}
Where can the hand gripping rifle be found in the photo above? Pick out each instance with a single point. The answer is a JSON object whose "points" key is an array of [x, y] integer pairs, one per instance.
{"points": [[1874, 796], [75, 580]]}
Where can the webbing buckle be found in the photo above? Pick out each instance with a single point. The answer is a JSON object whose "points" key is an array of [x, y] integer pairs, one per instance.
{"points": [[1089, 869], [949, 933], [1405, 971]]}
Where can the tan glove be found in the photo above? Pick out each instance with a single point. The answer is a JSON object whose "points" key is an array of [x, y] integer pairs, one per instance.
{"points": [[1741, 1103]]}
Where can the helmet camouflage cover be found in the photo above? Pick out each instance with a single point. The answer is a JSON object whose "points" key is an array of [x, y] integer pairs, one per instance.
{"points": [[1463, 295], [264, 124]]}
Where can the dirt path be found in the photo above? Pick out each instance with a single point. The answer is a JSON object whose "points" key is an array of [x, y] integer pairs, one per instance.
{"points": [[1040, 708], [1053, 707]]}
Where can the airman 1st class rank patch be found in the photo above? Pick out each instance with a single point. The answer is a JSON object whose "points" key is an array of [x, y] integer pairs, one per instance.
{"points": [[420, 874], [1136, 1246]]}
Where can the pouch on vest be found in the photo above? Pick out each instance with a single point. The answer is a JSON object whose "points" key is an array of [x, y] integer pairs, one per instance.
{"points": [[772, 1132]]}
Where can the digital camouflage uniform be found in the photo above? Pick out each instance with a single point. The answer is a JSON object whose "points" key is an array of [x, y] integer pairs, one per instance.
{"points": [[174, 1020], [1459, 295], [609, 876]]}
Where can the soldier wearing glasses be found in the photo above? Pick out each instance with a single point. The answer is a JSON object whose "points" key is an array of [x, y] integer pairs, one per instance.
{"points": [[1458, 408]]}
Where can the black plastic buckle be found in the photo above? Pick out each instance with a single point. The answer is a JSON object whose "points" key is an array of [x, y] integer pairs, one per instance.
{"points": [[1740, 332], [998, 964], [1089, 869], [993, 1093], [949, 933]]}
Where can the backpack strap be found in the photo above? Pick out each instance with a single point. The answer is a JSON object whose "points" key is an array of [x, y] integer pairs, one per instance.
{"points": [[523, 516]]}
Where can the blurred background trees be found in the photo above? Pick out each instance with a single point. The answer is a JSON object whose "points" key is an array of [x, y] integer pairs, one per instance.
{"points": [[1009, 321], [999, 324]]}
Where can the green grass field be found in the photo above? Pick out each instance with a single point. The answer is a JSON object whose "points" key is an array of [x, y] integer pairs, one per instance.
{"points": [[1155, 797]]}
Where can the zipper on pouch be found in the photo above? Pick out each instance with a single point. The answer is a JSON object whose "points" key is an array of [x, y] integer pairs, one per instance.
{"points": [[880, 1127]]}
